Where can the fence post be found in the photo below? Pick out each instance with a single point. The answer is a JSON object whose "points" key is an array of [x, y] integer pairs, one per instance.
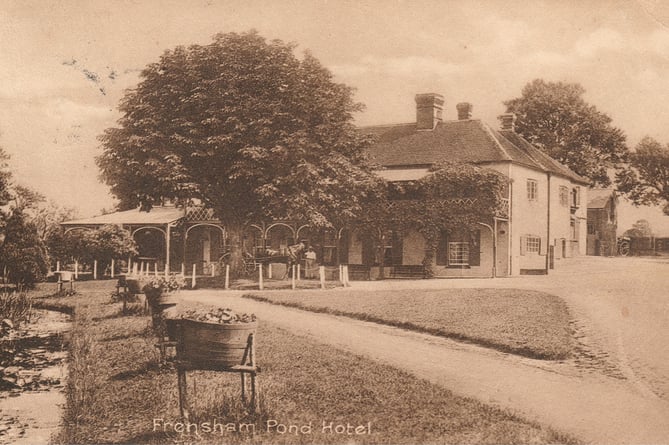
{"points": [[57, 266], [155, 268], [260, 283], [321, 273], [213, 269], [292, 280], [76, 269], [298, 271], [95, 269], [346, 275], [167, 271], [192, 281], [129, 264], [269, 270], [227, 276], [183, 270], [112, 267]]}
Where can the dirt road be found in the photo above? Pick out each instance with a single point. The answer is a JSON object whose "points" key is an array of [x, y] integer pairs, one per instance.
{"points": [[593, 407]]}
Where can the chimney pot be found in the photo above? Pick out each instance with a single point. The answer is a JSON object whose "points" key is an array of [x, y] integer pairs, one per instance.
{"points": [[507, 121], [464, 110], [428, 110]]}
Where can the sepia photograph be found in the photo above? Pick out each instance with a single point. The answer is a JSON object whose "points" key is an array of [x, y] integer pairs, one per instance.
{"points": [[334, 222]]}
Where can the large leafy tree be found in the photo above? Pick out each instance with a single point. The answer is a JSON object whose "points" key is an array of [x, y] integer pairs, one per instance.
{"points": [[244, 126], [646, 180], [555, 117]]}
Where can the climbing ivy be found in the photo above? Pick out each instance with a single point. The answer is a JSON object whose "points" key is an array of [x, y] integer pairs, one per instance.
{"points": [[453, 197]]}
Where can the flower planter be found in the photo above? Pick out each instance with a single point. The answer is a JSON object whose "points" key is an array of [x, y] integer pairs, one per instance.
{"points": [[212, 344]]}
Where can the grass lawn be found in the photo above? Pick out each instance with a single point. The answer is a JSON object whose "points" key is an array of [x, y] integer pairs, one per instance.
{"points": [[528, 323], [116, 390]]}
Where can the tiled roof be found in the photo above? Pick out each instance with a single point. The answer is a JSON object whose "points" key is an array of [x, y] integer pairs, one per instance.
{"points": [[468, 140], [597, 198], [157, 215]]}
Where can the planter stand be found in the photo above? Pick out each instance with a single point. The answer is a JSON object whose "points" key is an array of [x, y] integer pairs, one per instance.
{"points": [[248, 370]]}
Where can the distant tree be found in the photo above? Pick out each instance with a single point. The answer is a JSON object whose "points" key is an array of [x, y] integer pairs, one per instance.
{"points": [[555, 117], [26, 199], [646, 180], [245, 127]]}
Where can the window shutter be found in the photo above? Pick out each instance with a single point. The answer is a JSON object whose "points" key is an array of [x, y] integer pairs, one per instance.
{"points": [[523, 244], [542, 246], [475, 249], [442, 250]]}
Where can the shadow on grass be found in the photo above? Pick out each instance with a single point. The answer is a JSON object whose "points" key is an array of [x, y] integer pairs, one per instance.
{"points": [[521, 351]]}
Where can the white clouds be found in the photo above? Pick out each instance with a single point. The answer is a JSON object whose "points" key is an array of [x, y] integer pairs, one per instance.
{"points": [[602, 39]]}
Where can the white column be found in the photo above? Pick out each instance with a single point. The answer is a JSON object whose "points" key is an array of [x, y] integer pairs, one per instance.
{"points": [[227, 276], [192, 282], [213, 269], [321, 272], [168, 240], [57, 266], [260, 280], [76, 269], [95, 269], [113, 264], [269, 270], [292, 280]]}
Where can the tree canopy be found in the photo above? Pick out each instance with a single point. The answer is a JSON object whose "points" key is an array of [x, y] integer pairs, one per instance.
{"points": [[244, 126], [646, 180], [555, 117]]}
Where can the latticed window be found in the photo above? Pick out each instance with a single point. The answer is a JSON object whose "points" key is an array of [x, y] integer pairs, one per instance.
{"points": [[532, 189], [458, 253], [532, 243]]}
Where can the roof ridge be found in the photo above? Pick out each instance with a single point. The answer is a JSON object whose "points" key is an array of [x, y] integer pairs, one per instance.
{"points": [[490, 133]]}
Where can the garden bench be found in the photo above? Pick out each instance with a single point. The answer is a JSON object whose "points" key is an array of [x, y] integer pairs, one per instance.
{"points": [[408, 271]]}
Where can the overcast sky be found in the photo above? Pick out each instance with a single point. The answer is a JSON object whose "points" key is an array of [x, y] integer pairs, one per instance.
{"points": [[65, 64]]}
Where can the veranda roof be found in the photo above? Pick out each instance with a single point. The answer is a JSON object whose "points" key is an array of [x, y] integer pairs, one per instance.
{"points": [[157, 215]]}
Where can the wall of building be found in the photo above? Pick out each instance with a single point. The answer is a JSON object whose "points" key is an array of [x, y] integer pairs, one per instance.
{"points": [[413, 248], [528, 217]]}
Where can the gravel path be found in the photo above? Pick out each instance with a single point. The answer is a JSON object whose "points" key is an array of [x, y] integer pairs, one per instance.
{"points": [[591, 406]]}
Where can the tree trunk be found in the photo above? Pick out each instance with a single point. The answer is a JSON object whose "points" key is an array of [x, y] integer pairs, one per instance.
{"points": [[236, 261]]}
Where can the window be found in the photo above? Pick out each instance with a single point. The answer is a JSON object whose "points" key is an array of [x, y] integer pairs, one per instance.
{"points": [[532, 243], [458, 253], [564, 196], [532, 188], [459, 249], [576, 197]]}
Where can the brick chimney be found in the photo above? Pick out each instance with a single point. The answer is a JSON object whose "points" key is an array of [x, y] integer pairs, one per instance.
{"points": [[428, 110], [464, 110], [507, 121]]}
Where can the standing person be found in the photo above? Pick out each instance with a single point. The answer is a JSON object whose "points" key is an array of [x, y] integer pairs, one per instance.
{"points": [[310, 263]]}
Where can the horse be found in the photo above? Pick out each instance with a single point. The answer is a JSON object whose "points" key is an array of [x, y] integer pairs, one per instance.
{"points": [[290, 258]]}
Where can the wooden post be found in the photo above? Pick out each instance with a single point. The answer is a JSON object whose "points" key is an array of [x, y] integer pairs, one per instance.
{"points": [[57, 266], [113, 264], [227, 276], [130, 265], [135, 269], [167, 271], [183, 270], [76, 269], [252, 363], [181, 377], [95, 269], [269, 270], [260, 283], [346, 275], [155, 268], [292, 280], [341, 274], [321, 273], [192, 282], [213, 269], [298, 271]]}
